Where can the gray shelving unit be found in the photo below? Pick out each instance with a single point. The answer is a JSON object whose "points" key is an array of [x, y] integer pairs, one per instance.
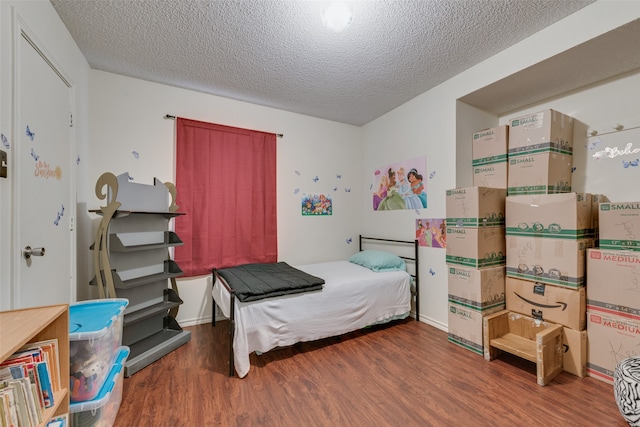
{"points": [[132, 260]]}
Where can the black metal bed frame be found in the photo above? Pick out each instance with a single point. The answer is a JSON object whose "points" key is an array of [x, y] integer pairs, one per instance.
{"points": [[232, 294]]}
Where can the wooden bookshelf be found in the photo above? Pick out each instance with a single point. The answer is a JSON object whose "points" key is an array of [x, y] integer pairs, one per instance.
{"points": [[22, 326]]}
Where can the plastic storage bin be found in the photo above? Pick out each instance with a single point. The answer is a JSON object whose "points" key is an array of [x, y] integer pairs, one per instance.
{"points": [[102, 410], [95, 334]]}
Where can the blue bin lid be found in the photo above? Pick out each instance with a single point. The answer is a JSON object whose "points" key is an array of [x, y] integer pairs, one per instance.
{"points": [[93, 318], [104, 394]]}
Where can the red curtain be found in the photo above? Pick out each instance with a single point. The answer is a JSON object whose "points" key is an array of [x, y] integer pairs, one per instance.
{"points": [[226, 185]]}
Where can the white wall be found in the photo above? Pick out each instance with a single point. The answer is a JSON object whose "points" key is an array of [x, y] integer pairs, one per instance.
{"points": [[128, 115], [44, 23], [429, 125]]}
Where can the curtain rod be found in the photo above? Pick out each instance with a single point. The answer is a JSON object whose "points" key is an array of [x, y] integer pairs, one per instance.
{"points": [[169, 116]]}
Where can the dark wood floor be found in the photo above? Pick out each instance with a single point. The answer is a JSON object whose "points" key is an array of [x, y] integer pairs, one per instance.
{"points": [[404, 374]]}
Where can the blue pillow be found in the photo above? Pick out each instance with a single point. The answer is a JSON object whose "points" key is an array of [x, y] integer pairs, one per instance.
{"points": [[379, 261]]}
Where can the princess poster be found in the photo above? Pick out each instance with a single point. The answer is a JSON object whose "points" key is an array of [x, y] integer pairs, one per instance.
{"points": [[431, 232], [316, 204], [400, 185]]}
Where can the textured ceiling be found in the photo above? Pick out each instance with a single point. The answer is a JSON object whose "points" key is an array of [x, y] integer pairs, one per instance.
{"points": [[276, 53]]}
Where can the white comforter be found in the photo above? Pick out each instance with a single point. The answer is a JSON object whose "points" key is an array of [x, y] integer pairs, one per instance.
{"points": [[353, 297]]}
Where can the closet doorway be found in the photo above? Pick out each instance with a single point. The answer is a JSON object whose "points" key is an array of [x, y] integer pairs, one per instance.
{"points": [[43, 244]]}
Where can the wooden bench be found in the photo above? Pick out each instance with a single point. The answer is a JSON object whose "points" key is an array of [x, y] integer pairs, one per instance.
{"points": [[531, 339]]}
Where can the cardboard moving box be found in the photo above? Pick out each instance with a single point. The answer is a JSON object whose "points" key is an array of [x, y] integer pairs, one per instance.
{"points": [[478, 288], [476, 247], [611, 339], [465, 326], [613, 279], [596, 199], [559, 262], [544, 173], [543, 131], [547, 302], [491, 175], [574, 356], [487, 144], [490, 157], [475, 207], [620, 225], [558, 216]]}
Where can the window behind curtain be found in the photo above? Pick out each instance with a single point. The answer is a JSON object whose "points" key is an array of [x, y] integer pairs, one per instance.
{"points": [[226, 185]]}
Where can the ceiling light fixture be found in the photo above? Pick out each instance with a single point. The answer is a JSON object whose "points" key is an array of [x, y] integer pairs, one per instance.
{"points": [[337, 16]]}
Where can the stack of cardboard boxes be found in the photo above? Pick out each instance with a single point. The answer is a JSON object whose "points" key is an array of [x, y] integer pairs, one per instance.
{"points": [[476, 259], [475, 241], [490, 157], [520, 242], [548, 230], [547, 239], [540, 153], [613, 297], [546, 233]]}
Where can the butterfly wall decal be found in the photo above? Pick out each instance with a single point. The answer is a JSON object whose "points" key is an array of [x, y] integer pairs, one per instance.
{"points": [[30, 134], [59, 216]]}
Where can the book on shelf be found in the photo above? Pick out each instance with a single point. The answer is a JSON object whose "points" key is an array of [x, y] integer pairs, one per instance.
{"points": [[35, 411], [18, 403], [5, 418], [4, 415], [28, 411], [37, 407], [59, 421], [28, 380], [32, 374], [49, 348], [10, 409], [42, 369], [16, 361], [11, 372]]}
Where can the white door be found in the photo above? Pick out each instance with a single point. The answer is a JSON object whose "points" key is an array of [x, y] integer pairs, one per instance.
{"points": [[43, 207]]}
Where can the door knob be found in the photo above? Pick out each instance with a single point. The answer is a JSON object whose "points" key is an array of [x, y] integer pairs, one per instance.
{"points": [[28, 252]]}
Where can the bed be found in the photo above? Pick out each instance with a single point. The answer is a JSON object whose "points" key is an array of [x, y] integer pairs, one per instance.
{"points": [[351, 296]]}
